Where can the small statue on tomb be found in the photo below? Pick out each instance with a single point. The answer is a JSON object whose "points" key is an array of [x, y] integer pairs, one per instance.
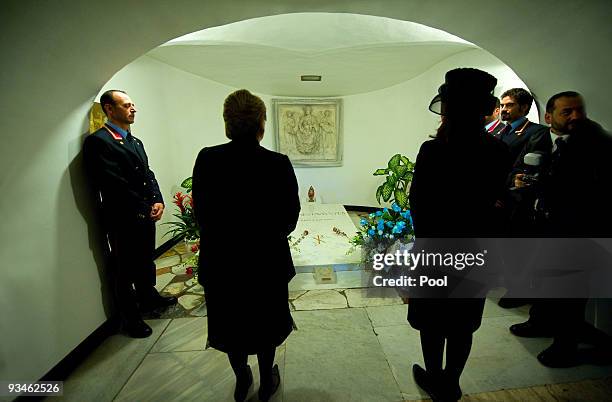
{"points": [[311, 195]]}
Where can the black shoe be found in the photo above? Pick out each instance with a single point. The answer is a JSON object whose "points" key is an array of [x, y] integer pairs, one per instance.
{"points": [[427, 382], [559, 357], [137, 329], [528, 329], [507, 302], [266, 392], [243, 386]]}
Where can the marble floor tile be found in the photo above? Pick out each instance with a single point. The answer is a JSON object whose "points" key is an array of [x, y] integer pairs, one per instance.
{"points": [[319, 366], [352, 279], [168, 261], [201, 311], [372, 297], [190, 301], [161, 271], [402, 348], [162, 280], [384, 316], [181, 376], [294, 294], [191, 282], [498, 359], [169, 253], [191, 376], [197, 289], [320, 300], [102, 375], [183, 334], [174, 288]]}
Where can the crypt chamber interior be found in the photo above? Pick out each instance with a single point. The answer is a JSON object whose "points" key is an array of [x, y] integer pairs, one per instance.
{"points": [[382, 60]]}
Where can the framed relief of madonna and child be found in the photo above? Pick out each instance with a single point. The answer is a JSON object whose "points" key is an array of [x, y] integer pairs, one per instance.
{"points": [[309, 131]]}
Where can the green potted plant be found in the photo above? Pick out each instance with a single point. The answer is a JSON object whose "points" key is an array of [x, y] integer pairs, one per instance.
{"points": [[381, 229]]}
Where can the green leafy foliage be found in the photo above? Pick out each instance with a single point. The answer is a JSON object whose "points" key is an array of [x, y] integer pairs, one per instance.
{"points": [[187, 184], [399, 174]]}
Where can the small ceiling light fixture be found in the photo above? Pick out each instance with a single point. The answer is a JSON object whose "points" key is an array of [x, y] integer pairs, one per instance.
{"points": [[310, 78]]}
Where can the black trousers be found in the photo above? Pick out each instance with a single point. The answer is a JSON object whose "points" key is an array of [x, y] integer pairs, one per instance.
{"points": [[131, 244]]}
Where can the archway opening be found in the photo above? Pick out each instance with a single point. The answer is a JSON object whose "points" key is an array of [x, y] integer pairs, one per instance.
{"points": [[384, 71]]}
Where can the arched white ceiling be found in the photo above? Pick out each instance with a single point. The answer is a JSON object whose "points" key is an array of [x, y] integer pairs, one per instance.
{"points": [[353, 53]]}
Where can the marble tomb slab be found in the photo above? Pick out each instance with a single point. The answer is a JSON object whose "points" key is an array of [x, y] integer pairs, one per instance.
{"points": [[322, 246]]}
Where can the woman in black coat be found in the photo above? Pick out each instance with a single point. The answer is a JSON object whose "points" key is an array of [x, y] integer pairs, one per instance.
{"points": [[246, 204], [459, 175]]}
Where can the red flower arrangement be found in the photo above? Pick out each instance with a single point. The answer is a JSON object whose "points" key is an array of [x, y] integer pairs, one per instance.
{"points": [[179, 201], [186, 225]]}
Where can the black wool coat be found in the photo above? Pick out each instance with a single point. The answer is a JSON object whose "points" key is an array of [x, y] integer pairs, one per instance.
{"points": [[246, 204], [452, 195]]}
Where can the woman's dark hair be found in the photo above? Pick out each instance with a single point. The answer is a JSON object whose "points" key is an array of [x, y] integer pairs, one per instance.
{"points": [[244, 114]]}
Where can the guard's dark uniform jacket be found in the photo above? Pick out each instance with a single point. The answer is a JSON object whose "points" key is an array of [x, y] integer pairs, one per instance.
{"points": [[127, 188], [120, 170]]}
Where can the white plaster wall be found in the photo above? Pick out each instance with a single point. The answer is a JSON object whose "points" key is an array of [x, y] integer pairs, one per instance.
{"points": [[178, 113]]}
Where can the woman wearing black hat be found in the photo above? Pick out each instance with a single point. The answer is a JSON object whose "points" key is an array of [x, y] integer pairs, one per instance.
{"points": [[458, 177]]}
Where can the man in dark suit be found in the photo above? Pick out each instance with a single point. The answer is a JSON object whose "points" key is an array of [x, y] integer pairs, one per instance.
{"points": [[130, 203], [515, 104], [492, 123], [573, 201]]}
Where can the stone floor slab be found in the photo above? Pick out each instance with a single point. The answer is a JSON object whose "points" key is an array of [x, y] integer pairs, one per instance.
{"points": [[372, 297], [102, 375], [163, 280], [498, 359], [319, 366], [174, 288], [183, 334], [168, 261], [402, 348], [320, 300], [190, 376], [384, 316], [189, 302]]}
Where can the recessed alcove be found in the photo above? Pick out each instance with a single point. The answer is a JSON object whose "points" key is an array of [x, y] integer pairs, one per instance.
{"points": [[384, 70]]}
